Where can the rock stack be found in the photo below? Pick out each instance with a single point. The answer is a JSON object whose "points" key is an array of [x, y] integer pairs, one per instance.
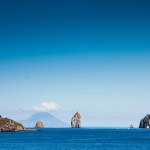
{"points": [[39, 124], [9, 125], [145, 122], [75, 121], [131, 126]]}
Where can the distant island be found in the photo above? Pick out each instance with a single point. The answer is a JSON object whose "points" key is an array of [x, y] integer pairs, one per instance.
{"points": [[43, 119]]}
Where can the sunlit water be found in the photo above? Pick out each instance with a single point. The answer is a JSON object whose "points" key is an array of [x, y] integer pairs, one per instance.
{"points": [[77, 139]]}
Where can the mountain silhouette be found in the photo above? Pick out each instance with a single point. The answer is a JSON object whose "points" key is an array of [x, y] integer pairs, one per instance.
{"points": [[48, 120]]}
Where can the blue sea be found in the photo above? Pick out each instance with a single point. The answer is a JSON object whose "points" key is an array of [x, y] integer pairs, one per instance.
{"points": [[77, 139]]}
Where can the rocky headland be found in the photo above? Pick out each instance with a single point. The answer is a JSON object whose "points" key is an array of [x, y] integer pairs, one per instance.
{"points": [[75, 121], [9, 125], [145, 122]]}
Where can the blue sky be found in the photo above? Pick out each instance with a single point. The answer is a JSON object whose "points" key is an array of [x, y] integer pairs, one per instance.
{"points": [[88, 56]]}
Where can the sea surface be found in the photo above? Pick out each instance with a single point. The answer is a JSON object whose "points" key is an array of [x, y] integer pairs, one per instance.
{"points": [[77, 139]]}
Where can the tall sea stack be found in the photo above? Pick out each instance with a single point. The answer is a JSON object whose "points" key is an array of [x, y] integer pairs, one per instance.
{"points": [[145, 122], [75, 121]]}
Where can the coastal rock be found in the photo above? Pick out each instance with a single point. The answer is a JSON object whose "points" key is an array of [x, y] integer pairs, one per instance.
{"points": [[145, 122], [39, 124], [9, 125], [75, 121], [131, 126]]}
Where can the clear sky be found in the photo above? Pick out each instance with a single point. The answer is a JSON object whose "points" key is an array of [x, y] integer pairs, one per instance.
{"points": [[92, 56]]}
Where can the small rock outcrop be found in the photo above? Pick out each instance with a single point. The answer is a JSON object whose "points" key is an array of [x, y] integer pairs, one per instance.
{"points": [[145, 122], [39, 124], [9, 125], [131, 126], [75, 121]]}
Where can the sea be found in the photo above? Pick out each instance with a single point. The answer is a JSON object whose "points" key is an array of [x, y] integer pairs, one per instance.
{"points": [[77, 139]]}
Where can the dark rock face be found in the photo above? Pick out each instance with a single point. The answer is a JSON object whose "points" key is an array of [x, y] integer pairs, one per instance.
{"points": [[145, 122], [39, 124], [75, 121], [8, 125]]}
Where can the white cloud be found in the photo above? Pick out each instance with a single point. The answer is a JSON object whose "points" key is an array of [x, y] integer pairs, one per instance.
{"points": [[45, 106]]}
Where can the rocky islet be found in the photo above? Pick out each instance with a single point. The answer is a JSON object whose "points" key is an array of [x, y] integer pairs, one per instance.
{"points": [[39, 124]]}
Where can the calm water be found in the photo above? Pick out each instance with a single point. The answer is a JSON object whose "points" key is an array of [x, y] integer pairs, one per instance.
{"points": [[77, 139]]}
